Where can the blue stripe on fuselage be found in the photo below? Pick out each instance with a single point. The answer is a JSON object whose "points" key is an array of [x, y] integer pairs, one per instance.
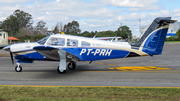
{"points": [[90, 53]]}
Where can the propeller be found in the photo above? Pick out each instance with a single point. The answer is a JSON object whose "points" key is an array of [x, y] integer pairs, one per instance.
{"points": [[1, 47], [7, 48], [12, 59]]}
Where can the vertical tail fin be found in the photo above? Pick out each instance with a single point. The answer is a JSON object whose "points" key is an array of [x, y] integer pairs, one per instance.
{"points": [[153, 44], [152, 41]]}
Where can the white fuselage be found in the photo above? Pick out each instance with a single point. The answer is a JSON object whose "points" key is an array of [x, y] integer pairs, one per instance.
{"points": [[67, 40]]}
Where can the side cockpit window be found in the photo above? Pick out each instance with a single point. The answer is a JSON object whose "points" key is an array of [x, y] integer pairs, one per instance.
{"points": [[84, 43], [56, 41], [72, 42]]}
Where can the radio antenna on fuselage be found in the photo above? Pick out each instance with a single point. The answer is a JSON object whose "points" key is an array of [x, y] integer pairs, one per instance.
{"points": [[95, 36]]}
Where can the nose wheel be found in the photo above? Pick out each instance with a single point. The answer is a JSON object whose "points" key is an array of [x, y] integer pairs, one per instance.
{"points": [[18, 68], [71, 65]]}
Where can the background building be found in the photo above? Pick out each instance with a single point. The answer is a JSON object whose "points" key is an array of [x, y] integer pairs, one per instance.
{"points": [[12, 40], [173, 28], [3, 37]]}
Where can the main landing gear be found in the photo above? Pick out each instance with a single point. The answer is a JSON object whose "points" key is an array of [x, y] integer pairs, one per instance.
{"points": [[70, 66], [62, 64], [61, 71]]}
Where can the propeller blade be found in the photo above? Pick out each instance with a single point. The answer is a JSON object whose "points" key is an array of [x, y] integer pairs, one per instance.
{"points": [[1, 47], [12, 59]]}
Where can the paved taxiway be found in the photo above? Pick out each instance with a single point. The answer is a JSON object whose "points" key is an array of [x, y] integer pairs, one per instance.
{"points": [[159, 71]]}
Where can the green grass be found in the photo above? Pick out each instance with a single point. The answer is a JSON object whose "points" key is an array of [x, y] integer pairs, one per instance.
{"points": [[172, 42], [12, 93]]}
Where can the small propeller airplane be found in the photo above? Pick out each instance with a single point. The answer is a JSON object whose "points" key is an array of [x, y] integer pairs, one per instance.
{"points": [[67, 48]]}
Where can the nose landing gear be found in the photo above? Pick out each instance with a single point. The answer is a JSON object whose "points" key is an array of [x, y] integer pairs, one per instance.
{"points": [[18, 68]]}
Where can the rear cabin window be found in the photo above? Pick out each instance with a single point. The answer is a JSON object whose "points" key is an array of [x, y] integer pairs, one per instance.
{"points": [[84, 43], [56, 41], [72, 42]]}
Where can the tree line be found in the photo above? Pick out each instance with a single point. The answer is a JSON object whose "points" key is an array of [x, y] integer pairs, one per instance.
{"points": [[174, 38], [20, 25]]}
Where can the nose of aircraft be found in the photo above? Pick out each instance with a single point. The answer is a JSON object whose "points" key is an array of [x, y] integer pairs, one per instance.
{"points": [[7, 48]]}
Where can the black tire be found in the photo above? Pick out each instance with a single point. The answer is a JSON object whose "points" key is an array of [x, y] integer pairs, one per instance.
{"points": [[60, 71], [18, 69], [71, 65]]}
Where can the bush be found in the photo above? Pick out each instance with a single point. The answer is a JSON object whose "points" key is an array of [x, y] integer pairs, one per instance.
{"points": [[173, 38]]}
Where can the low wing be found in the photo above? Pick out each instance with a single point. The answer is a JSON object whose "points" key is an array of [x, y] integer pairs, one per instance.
{"points": [[51, 53]]}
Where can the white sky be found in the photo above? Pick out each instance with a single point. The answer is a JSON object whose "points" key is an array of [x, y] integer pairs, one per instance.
{"points": [[94, 15]]}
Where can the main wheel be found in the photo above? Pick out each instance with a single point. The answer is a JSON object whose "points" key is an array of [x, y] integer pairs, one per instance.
{"points": [[71, 66], [18, 69], [61, 72]]}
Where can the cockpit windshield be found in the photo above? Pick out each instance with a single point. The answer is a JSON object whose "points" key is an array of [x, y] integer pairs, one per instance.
{"points": [[42, 41]]}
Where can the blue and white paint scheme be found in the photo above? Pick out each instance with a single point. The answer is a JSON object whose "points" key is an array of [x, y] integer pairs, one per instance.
{"points": [[68, 48]]}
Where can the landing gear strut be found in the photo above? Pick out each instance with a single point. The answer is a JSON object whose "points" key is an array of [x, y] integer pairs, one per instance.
{"points": [[62, 64], [18, 68]]}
